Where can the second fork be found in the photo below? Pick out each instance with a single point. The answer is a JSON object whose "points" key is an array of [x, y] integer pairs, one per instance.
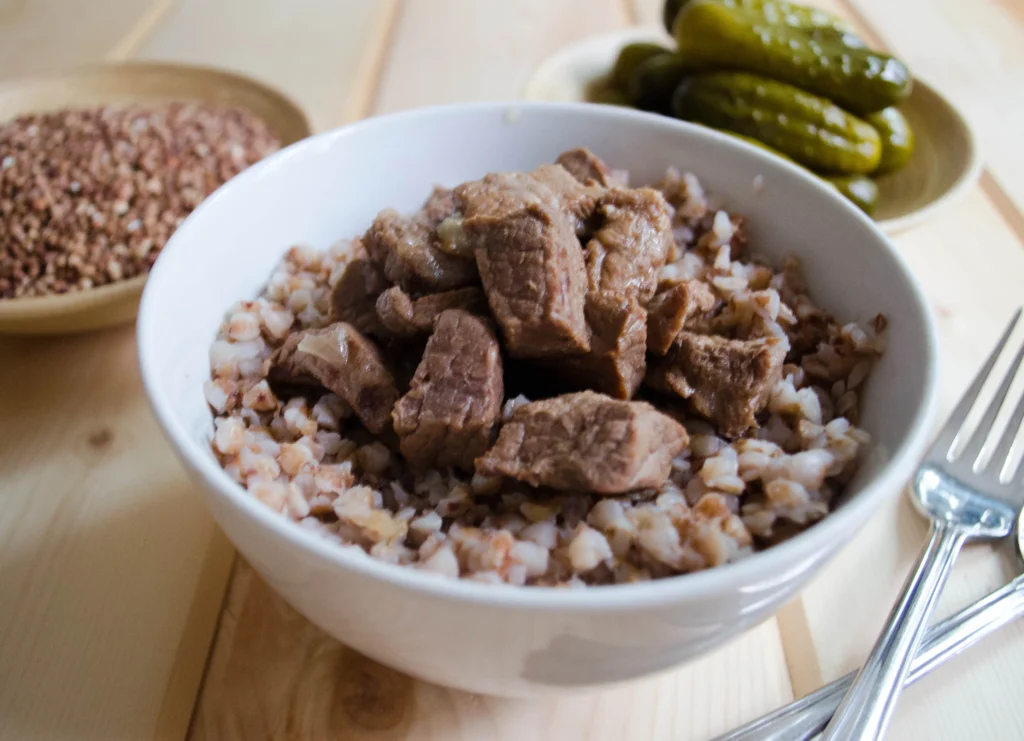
{"points": [[963, 496]]}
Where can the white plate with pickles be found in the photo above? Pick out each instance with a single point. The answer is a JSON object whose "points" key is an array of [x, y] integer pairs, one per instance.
{"points": [[910, 155]]}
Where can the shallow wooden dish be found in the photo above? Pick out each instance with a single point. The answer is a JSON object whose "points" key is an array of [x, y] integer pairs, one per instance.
{"points": [[123, 84], [945, 164]]}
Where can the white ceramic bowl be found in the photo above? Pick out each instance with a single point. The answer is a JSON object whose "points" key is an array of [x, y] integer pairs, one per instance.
{"points": [[496, 639]]}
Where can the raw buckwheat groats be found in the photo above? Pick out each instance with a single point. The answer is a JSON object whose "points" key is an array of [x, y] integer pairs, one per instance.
{"points": [[90, 196]]}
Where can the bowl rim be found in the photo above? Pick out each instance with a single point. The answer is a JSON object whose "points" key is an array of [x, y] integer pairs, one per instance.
{"points": [[965, 180], [773, 564], [30, 308]]}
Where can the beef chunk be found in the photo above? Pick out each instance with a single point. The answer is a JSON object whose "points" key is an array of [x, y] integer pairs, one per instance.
{"points": [[503, 194], [410, 251], [726, 381], [354, 295], [615, 364], [587, 167], [523, 232], [679, 306], [632, 244], [403, 316], [343, 361], [454, 403], [586, 442]]}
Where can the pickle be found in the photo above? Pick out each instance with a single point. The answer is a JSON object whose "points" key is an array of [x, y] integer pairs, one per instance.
{"points": [[670, 11], [779, 12], [808, 128], [609, 95], [711, 33], [897, 139], [654, 80], [758, 143], [860, 189], [631, 56]]}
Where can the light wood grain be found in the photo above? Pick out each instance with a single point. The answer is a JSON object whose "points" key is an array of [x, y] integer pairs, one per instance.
{"points": [[275, 676], [447, 51], [314, 49], [102, 544], [40, 35], [111, 572]]}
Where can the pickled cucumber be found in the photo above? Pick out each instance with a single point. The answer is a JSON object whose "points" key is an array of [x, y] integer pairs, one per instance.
{"points": [[631, 57], [669, 12], [860, 189], [779, 12], [897, 139], [713, 33], [654, 80], [810, 129]]}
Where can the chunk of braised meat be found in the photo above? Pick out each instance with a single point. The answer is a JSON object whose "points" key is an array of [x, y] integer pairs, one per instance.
{"points": [[340, 359], [588, 168], [586, 442], [354, 296], [726, 381], [616, 362], [454, 402], [502, 194], [404, 316], [523, 233], [631, 246], [679, 306], [410, 251]]}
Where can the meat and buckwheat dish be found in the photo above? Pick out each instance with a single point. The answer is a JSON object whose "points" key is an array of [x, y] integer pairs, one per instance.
{"points": [[545, 378]]}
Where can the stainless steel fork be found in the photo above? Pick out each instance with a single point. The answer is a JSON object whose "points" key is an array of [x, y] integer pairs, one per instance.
{"points": [[961, 492]]}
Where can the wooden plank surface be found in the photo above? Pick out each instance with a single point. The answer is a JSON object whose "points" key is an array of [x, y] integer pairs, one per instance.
{"points": [[109, 565], [314, 50], [274, 676], [40, 35], [447, 51], [112, 573]]}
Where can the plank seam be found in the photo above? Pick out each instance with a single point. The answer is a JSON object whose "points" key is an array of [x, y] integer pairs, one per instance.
{"points": [[629, 12], [214, 642], [140, 32], [366, 89]]}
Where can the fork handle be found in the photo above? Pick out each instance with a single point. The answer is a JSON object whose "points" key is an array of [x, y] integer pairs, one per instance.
{"points": [[864, 712], [803, 719]]}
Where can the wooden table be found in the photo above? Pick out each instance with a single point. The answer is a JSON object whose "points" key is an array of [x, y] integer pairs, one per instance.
{"points": [[122, 612]]}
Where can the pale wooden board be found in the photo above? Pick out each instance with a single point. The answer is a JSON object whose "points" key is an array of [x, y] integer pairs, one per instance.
{"points": [[316, 51], [847, 603], [110, 567], [40, 35], [447, 51], [274, 675], [111, 572]]}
